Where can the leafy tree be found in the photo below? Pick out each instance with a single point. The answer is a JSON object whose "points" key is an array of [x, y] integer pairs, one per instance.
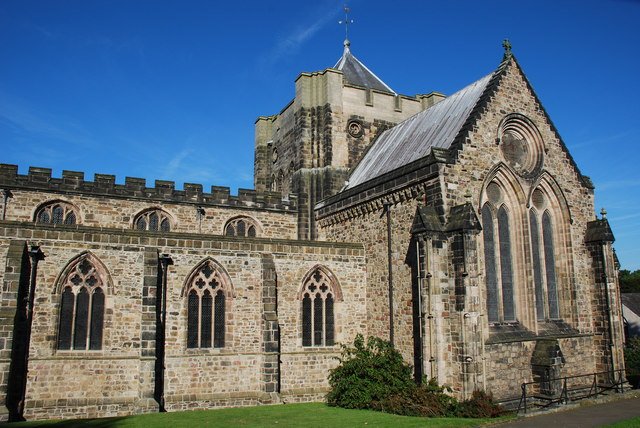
{"points": [[629, 281]]}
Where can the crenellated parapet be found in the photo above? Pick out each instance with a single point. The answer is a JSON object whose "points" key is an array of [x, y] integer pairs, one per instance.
{"points": [[73, 182]]}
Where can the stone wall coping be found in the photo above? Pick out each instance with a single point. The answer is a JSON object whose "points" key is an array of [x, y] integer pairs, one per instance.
{"points": [[73, 182], [163, 239]]}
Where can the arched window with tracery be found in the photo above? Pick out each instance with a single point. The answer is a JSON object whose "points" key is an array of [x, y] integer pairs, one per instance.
{"points": [[241, 226], [58, 212], [319, 292], [207, 291], [153, 220], [498, 258], [544, 259], [82, 305]]}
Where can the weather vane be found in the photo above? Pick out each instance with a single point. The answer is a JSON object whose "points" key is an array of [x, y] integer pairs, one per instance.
{"points": [[346, 23]]}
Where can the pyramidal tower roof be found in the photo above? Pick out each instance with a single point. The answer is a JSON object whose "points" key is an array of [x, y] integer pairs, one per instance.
{"points": [[356, 73]]}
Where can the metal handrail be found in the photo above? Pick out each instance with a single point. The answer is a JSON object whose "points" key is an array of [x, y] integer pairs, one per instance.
{"points": [[615, 377]]}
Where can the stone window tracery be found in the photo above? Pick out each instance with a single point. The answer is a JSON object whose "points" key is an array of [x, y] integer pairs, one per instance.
{"points": [[521, 144], [241, 226], [82, 307], [498, 263], [58, 212], [318, 300], [153, 220], [206, 307], [543, 254]]}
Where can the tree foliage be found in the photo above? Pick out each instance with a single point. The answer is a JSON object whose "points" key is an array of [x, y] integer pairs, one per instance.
{"points": [[629, 281], [632, 361]]}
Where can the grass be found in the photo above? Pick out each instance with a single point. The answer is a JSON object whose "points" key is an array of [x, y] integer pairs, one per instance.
{"points": [[629, 423], [278, 416]]}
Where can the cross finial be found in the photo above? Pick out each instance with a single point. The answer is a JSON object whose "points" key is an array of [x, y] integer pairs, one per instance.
{"points": [[506, 44], [346, 21]]}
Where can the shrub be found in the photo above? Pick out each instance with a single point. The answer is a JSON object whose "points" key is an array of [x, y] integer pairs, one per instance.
{"points": [[428, 399], [368, 372], [632, 361], [373, 375], [480, 405]]}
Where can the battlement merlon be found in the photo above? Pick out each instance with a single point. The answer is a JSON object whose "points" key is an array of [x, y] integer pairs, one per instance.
{"points": [[104, 185]]}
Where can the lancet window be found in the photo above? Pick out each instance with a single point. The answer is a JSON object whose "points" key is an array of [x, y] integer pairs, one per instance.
{"points": [[318, 300], [153, 220], [57, 213], [82, 307], [543, 254], [206, 307], [498, 263]]}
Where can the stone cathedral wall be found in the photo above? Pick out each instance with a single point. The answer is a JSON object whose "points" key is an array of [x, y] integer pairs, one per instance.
{"points": [[119, 378]]}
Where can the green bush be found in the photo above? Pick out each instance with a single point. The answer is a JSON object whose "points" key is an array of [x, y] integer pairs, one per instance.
{"points": [[373, 375], [632, 361], [368, 372]]}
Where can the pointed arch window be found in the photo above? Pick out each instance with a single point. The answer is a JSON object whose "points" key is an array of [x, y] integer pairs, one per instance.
{"points": [[318, 300], [154, 220], [544, 264], [498, 264], [82, 307], [206, 308], [57, 212], [241, 226]]}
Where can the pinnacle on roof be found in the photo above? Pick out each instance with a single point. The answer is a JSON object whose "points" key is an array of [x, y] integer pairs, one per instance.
{"points": [[356, 73]]}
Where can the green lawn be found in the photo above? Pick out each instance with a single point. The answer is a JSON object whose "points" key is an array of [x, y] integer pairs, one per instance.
{"points": [[286, 415], [629, 423]]}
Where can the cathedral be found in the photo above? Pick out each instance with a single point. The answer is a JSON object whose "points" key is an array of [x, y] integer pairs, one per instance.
{"points": [[457, 227]]}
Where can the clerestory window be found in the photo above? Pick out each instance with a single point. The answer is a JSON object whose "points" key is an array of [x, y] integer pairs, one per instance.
{"points": [[241, 226], [58, 212], [153, 220]]}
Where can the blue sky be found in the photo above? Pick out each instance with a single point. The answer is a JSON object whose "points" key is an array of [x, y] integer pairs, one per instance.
{"points": [[170, 90]]}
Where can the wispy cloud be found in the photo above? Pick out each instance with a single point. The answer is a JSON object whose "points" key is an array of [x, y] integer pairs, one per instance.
{"points": [[618, 184], [176, 163], [609, 139], [21, 116], [293, 41]]}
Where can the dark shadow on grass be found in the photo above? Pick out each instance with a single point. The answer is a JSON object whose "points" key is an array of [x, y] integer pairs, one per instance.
{"points": [[67, 423]]}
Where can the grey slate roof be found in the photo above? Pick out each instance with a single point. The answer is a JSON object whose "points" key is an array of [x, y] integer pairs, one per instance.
{"points": [[356, 73], [631, 301], [413, 139]]}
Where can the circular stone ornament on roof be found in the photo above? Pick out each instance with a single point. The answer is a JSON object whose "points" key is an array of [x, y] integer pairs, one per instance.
{"points": [[521, 145], [355, 128]]}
